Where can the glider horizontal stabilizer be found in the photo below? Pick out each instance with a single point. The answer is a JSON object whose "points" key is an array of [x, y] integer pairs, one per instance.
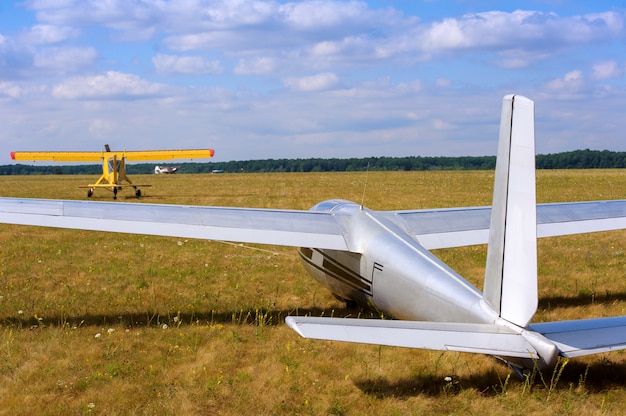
{"points": [[585, 336], [442, 336]]}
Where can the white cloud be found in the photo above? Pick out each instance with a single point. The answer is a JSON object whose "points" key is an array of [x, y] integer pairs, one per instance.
{"points": [[112, 85], [521, 35], [100, 126], [548, 28], [519, 58], [65, 59], [607, 70], [567, 86], [46, 34], [448, 34], [189, 65], [592, 26], [443, 82], [326, 48], [255, 66], [439, 124], [319, 82], [10, 89], [313, 15], [411, 87], [195, 41]]}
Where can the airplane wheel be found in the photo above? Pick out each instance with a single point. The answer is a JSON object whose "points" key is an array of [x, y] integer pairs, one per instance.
{"points": [[114, 193], [138, 193], [89, 193]]}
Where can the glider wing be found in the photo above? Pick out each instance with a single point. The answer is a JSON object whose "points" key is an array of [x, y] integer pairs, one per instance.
{"points": [[456, 227], [248, 225]]}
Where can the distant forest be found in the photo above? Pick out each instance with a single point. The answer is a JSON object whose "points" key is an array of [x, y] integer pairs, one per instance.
{"points": [[578, 159]]}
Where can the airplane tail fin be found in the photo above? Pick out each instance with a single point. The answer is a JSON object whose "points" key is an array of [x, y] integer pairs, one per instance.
{"points": [[511, 271]]}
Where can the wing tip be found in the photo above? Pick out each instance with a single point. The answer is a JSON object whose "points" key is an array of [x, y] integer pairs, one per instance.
{"points": [[293, 324]]}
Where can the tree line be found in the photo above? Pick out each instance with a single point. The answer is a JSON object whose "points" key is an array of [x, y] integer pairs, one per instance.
{"points": [[578, 159]]}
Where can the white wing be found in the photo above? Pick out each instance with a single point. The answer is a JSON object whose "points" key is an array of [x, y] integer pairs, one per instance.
{"points": [[265, 226], [437, 228], [456, 227]]}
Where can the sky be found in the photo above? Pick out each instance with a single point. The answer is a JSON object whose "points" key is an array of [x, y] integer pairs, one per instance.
{"points": [[310, 78]]}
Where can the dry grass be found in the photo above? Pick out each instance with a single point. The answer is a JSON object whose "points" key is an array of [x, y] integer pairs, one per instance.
{"points": [[97, 323]]}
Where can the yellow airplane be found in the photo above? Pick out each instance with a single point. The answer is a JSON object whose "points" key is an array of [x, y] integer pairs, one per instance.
{"points": [[114, 175]]}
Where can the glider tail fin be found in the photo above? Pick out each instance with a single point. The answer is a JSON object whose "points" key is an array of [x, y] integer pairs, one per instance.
{"points": [[511, 270]]}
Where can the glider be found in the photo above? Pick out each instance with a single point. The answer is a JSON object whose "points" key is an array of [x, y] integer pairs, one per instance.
{"points": [[380, 258], [114, 175]]}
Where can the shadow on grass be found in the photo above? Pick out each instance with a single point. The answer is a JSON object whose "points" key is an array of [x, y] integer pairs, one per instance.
{"points": [[244, 316], [607, 297], [599, 375], [252, 315], [430, 384]]}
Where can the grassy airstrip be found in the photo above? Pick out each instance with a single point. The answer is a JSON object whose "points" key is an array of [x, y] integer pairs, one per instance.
{"points": [[117, 324]]}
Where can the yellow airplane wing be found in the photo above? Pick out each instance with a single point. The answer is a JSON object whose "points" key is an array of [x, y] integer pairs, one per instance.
{"points": [[129, 155], [59, 156], [168, 154]]}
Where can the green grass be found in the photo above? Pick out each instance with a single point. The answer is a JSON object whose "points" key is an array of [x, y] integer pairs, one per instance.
{"points": [[99, 323]]}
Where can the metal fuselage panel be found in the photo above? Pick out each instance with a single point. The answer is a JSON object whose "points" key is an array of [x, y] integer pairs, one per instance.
{"points": [[391, 272]]}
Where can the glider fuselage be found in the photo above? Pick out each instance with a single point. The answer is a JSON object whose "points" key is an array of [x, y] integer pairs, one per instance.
{"points": [[394, 274]]}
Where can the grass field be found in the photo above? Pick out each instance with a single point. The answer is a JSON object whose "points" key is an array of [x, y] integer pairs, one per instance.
{"points": [[117, 324]]}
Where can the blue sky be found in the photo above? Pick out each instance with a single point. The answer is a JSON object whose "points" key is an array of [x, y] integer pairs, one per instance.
{"points": [[280, 79]]}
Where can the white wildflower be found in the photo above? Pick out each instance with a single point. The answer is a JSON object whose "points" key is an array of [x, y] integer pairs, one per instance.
{"points": [[98, 335]]}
